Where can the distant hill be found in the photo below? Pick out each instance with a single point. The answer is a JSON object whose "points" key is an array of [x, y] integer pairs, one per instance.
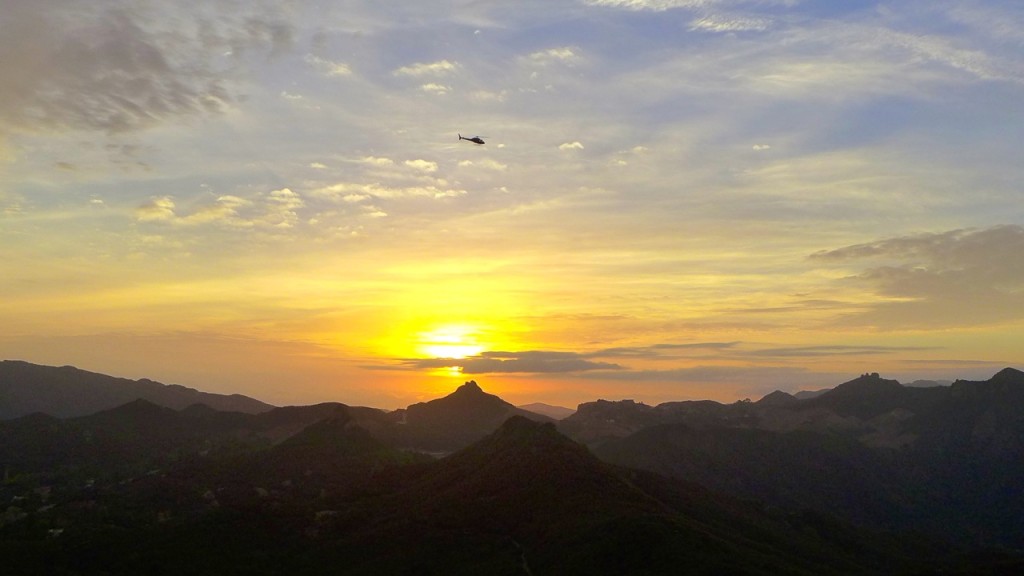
{"points": [[928, 383], [457, 420], [555, 412], [807, 394], [778, 398], [141, 436], [947, 461], [67, 392]]}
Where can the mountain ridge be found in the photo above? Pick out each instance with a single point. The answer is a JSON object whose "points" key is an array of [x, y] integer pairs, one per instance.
{"points": [[745, 488], [67, 392], [458, 419]]}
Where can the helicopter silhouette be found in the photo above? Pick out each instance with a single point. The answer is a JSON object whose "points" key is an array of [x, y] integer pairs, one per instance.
{"points": [[474, 139]]}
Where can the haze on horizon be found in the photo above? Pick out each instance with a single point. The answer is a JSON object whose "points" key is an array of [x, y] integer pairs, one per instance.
{"points": [[677, 198]]}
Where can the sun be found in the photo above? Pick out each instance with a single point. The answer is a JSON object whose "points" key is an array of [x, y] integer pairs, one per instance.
{"points": [[449, 341]]}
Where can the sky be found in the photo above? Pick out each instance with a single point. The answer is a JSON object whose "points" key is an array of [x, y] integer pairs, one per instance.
{"points": [[677, 199]]}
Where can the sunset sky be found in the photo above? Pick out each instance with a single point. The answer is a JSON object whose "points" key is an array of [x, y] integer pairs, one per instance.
{"points": [[677, 199]]}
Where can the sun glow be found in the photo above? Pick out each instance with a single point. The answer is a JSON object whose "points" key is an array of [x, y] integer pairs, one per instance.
{"points": [[450, 341]]}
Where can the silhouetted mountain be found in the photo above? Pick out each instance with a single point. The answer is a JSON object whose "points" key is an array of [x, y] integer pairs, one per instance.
{"points": [[331, 442], [457, 420], [141, 436], [528, 500], [947, 461], [868, 396], [928, 383], [67, 392], [596, 421], [332, 499], [808, 394], [553, 412], [777, 398]]}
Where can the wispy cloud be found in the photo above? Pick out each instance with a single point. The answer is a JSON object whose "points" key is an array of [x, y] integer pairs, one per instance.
{"points": [[535, 361], [161, 208], [422, 165], [957, 278], [120, 68], [439, 68], [716, 23], [276, 209], [656, 351], [651, 5], [562, 54], [329, 68], [835, 350]]}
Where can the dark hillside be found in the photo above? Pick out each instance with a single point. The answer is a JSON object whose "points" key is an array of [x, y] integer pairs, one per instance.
{"points": [[457, 420]]}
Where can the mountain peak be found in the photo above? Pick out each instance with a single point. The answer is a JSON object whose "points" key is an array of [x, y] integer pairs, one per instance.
{"points": [[459, 418], [1008, 375], [869, 382], [470, 387], [777, 398], [521, 427], [864, 397]]}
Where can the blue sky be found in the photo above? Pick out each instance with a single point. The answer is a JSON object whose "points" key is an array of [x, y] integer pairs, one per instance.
{"points": [[270, 197]]}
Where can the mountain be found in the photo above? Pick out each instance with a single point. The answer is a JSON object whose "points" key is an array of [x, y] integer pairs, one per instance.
{"points": [[945, 461], [67, 392], [595, 421], [140, 436], [778, 398], [839, 483], [457, 420], [553, 412], [868, 396], [331, 498], [526, 499], [928, 383], [806, 394]]}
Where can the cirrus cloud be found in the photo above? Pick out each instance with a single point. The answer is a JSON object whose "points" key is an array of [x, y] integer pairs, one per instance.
{"points": [[966, 277]]}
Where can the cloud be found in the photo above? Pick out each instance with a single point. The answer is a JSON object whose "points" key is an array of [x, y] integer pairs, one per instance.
{"points": [[422, 165], [157, 209], [439, 68], [577, 145], [276, 209], [328, 68], [282, 206], [225, 209], [534, 361], [989, 20], [486, 163], [435, 88], [124, 67], [376, 161], [835, 350], [732, 24], [561, 54], [649, 5], [964, 277], [347, 191], [713, 374], [657, 351]]}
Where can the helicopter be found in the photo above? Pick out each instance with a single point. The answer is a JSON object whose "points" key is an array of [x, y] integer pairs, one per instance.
{"points": [[474, 139]]}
